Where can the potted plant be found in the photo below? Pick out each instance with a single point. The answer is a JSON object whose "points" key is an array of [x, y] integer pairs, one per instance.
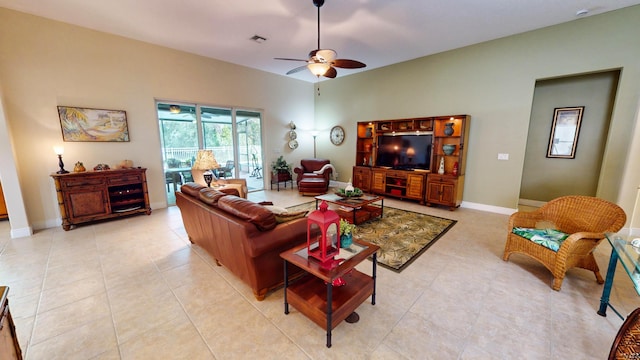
{"points": [[346, 233], [281, 169]]}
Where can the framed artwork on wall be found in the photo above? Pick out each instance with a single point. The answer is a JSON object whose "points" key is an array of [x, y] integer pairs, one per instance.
{"points": [[86, 124], [565, 129]]}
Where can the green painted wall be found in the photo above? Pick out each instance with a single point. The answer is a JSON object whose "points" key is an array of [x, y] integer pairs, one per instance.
{"points": [[494, 82]]}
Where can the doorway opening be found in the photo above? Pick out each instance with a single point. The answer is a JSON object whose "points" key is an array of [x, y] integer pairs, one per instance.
{"points": [[547, 177]]}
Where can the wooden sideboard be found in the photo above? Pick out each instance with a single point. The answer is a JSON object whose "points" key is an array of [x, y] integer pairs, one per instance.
{"points": [[9, 347], [99, 195]]}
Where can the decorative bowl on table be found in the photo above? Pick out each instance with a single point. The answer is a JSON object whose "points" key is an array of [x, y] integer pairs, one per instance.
{"points": [[349, 193]]}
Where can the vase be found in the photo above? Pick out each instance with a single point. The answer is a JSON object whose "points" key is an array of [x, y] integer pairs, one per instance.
{"points": [[346, 240], [448, 129]]}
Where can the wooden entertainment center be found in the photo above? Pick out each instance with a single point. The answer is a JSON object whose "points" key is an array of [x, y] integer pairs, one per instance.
{"points": [[439, 181]]}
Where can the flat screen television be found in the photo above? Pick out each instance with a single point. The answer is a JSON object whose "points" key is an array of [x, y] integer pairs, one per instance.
{"points": [[405, 152]]}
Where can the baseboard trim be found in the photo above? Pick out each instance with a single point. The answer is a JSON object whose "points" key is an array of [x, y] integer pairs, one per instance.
{"points": [[534, 203], [22, 232], [488, 208]]}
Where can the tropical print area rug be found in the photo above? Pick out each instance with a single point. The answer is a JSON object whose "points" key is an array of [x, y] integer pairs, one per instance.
{"points": [[402, 235]]}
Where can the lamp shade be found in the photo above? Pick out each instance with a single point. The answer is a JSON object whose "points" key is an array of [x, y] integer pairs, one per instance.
{"points": [[319, 68], [205, 160]]}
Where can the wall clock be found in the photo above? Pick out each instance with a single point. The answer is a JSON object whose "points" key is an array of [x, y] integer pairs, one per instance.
{"points": [[293, 144], [337, 135]]}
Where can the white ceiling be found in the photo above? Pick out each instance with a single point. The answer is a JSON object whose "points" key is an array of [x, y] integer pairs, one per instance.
{"points": [[376, 32]]}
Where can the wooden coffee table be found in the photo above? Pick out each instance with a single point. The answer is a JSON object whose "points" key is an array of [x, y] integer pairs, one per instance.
{"points": [[355, 210]]}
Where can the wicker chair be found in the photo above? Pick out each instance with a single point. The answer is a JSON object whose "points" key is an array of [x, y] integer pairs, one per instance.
{"points": [[586, 219], [626, 345]]}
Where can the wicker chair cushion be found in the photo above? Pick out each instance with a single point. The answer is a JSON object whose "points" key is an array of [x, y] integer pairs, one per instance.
{"points": [[549, 238]]}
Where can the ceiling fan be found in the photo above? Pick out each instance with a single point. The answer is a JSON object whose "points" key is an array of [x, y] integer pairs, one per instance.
{"points": [[323, 62]]}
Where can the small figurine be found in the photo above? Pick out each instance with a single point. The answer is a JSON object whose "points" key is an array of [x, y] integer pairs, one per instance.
{"points": [[101, 167], [79, 167], [441, 168]]}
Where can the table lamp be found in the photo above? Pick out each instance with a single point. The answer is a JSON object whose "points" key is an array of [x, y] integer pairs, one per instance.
{"points": [[59, 150], [205, 163]]}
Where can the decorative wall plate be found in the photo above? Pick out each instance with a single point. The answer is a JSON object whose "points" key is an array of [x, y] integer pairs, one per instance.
{"points": [[293, 135], [293, 144]]}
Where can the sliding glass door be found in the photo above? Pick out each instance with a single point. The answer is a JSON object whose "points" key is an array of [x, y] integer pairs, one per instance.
{"points": [[249, 143], [234, 136]]}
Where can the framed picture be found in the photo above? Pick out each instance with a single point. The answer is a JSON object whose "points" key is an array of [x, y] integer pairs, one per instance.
{"points": [[85, 124], [564, 132]]}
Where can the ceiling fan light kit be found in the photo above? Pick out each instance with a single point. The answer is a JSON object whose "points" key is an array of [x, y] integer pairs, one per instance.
{"points": [[319, 68], [322, 62]]}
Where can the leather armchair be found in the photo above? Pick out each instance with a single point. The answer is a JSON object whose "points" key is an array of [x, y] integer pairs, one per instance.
{"points": [[313, 176]]}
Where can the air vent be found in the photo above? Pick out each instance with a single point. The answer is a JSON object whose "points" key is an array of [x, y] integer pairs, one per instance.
{"points": [[259, 39]]}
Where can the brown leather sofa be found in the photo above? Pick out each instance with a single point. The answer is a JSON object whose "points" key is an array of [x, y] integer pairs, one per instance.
{"points": [[239, 234], [310, 180]]}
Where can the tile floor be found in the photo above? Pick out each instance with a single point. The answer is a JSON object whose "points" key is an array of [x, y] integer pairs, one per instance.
{"points": [[136, 289]]}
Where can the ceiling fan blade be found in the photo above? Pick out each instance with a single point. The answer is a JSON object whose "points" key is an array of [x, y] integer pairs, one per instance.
{"points": [[290, 59], [347, 64], [331, 73], [298, 69]]}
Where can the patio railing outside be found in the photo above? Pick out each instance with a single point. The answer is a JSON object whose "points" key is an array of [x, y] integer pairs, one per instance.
{"points": [[184, 157]]}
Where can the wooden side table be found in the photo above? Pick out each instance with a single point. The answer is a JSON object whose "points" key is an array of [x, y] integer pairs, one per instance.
{"points": [[281, 178], [315, 294]]}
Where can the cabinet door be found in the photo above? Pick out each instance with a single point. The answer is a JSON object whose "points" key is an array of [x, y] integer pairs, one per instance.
{"points": [[378, 181], [447, 194], [433, 192], [86, 203], [414, 186], [362, 178]]}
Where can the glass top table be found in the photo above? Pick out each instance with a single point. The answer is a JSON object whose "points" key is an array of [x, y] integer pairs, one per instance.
{"points": [[629, 257]]}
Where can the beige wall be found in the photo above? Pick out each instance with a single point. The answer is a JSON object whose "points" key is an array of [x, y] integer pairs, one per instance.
{"points": [[494, 83], [45, 63]]}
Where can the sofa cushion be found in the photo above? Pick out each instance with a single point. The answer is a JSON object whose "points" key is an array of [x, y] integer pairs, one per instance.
{"points": [[288, 216], [254, 213], [275, 209], [192, 189], [210, 196]]}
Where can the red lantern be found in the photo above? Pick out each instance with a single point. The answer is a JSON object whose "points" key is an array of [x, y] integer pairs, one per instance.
{"points": [[323, 233]]}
